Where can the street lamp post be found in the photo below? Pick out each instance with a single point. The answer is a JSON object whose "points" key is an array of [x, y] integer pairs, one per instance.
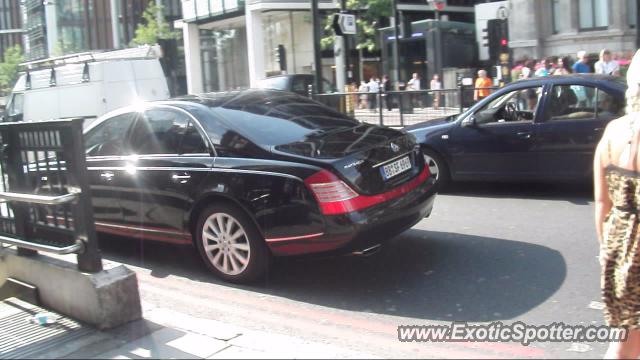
{"points": [[396, 41], [317, 58]]}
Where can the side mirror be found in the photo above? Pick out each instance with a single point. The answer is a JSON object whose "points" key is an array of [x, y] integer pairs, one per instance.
{"points": [[471, 121]]}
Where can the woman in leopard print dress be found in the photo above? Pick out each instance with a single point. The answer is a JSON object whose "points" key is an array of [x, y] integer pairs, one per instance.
{"points": [[617, 203]]}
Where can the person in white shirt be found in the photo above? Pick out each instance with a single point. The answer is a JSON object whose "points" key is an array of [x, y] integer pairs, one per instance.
{"points": [[606, 65], [436, 85], [414, 85], [374, 88]]}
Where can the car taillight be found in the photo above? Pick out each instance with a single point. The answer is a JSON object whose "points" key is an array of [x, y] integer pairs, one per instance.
{"points": [[335, 197]]}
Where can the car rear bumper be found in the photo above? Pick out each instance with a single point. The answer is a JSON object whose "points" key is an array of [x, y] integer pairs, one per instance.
{"points": [[364, 228]]}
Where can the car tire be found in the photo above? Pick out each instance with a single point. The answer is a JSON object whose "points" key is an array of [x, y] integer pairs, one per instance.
{"points": [[231, 245], [437, 166]]}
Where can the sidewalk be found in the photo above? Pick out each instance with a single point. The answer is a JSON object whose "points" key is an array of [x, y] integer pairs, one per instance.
{"points": [[162, 333]]}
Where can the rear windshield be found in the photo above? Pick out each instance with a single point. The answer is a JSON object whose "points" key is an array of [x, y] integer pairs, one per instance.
{"points": [[277, 83], [283, 122]]}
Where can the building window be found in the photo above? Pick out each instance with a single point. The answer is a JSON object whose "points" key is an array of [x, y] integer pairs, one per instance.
{"points": [[632, 15], [556, 15], [594, 14]]}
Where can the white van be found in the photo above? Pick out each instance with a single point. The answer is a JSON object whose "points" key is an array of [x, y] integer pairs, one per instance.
{"points": [[86, 85]]}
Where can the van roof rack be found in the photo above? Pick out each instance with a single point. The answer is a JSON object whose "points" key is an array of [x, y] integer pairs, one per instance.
{"points": [[137, 53]]}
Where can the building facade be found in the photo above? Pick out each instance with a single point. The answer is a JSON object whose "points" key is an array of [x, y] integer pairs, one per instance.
{"points": [[10, 25], [59, 27], [231, 44], [538, 29]]}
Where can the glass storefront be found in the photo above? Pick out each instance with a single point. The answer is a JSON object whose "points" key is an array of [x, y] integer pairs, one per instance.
{"points": [[292, 30], [224, 59]]}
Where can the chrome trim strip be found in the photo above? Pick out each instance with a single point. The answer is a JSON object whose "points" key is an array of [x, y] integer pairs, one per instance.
{"points": [[291, 238], [147, 157], [139, 229], [78, 247], [185, 169], [391, 160]]}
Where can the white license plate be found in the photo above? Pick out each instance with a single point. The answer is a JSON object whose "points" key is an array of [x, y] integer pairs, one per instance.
{"points": [[397, 167]]}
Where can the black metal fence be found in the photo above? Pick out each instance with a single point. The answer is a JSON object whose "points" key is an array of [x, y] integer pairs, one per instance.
{"points": [[402, 108], [45, 202]]}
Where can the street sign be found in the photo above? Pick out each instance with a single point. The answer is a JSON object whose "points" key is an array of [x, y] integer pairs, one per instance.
{"points": [[344, 24]]}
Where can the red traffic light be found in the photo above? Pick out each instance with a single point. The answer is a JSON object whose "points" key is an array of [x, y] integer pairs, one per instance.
{"points": [[504, 42]]}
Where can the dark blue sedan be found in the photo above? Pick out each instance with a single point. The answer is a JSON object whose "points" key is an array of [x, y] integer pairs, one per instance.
{"points": [[539, 129]]}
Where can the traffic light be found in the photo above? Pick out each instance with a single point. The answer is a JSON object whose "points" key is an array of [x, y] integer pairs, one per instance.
{"points": [[280, 54], [498, 38]]}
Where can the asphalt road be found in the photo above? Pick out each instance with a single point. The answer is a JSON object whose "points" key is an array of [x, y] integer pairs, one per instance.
{"points": [[489, 252]]}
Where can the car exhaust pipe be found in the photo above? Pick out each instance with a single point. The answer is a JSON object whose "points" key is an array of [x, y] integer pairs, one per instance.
{"points": [[368, 251]]}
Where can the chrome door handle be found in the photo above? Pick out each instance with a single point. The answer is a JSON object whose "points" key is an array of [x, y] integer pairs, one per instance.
{"points": [[107, 175], [524, 135], [180, 178]]}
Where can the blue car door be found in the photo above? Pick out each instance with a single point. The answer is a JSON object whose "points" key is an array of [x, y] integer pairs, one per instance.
{"points": [[498, 143], [567, 134]]}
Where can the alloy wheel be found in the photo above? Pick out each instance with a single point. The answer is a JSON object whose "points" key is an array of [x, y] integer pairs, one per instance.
{"points": [[226, 244], [433, 166]]}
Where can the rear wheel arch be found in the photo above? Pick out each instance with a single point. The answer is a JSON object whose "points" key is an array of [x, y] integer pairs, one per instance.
{"points": [[209, 199]]}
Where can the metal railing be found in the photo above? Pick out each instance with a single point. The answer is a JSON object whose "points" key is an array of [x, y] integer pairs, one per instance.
{"points": [[401, 108], [45, 202]]}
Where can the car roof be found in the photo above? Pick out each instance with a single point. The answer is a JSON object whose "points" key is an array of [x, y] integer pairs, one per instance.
{"points": [[236, 99], [608, 81]]}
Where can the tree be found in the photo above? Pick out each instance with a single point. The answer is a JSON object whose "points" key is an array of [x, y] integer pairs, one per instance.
{"points": [[369, 13], [9, 68], [152, 27]]}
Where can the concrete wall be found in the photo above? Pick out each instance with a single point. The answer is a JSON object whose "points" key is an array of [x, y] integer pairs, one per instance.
{"points": [[105, 300]]}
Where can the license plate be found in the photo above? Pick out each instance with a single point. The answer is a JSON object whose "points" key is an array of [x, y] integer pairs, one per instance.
{"points": [[395, 168]]}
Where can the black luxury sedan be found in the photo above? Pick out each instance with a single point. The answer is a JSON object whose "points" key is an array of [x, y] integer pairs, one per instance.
{"points": [[540, 129], [251, 174]]}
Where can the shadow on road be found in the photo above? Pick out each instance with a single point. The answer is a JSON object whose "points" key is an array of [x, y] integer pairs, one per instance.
{"points": [[578, 193], [420, 274]]}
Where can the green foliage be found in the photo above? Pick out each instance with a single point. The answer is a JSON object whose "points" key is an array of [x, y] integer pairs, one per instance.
{"points": [[9, 68], [150, 29], [368, 13]]}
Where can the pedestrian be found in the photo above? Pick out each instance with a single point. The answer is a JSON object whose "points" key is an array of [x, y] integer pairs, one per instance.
{"points": [[387, 88], [363, 90], [436, 85], [581, 66], [606, 65], [527, 69], [617, 195], [374, 89], [544, 69], [414, 85], [483, 82], [564, 66]]}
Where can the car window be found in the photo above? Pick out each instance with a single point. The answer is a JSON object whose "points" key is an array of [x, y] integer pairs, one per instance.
{"points": [[301, 84], [571, 102], [158, 131], [193, 143], [514, 106], [609, 106], [107, 138]]}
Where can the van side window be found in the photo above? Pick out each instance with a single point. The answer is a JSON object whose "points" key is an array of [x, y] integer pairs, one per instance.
{"points": [[107, 139]]}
